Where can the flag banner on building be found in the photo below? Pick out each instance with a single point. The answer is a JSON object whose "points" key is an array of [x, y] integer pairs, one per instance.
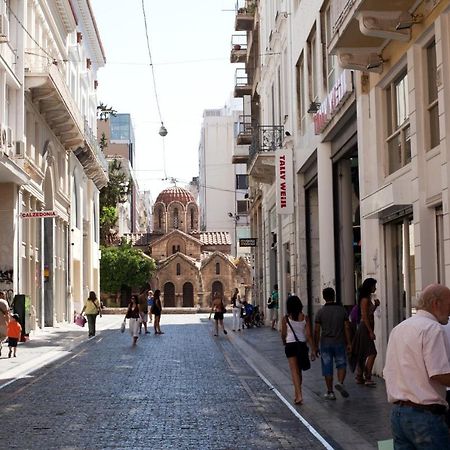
{"points": [[284, 181]]}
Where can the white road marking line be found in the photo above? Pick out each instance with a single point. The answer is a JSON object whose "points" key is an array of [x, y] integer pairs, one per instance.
{"points": [[310, 428]]}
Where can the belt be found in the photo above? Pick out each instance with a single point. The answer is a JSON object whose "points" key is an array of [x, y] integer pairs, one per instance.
{"points": [[434, 408]]}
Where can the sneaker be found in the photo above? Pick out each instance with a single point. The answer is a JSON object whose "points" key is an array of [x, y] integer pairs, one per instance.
{"points": [[225, 332], [329, 396], [341, 389]]}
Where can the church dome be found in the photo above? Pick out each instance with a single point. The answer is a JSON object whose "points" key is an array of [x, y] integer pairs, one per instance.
{"points": [[175, 193]]}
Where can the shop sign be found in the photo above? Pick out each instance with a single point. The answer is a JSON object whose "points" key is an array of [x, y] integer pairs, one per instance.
{"points": [[333, 102], [247, 242], [38, 214], [284, 181]]}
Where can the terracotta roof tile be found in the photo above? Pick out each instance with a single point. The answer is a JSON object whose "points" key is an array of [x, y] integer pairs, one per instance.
{"points": [[215, 238]]}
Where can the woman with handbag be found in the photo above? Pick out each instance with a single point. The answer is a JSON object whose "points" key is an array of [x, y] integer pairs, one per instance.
{"points": [[295, 333], [92, 309], [133, 316]]}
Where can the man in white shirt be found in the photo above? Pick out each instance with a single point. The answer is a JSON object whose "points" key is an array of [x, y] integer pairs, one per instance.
{"points": [[417, 372]]}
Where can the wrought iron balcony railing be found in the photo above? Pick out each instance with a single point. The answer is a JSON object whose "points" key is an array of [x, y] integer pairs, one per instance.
{"points": [[266, 138]]}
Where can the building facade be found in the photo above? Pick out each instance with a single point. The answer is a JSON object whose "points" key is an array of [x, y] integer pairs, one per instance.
{"points": [[118, 134], [350, 99], [223, 186], [51, 168]]}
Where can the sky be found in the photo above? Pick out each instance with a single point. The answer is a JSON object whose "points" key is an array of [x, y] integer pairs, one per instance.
{"points": [[190, 46]]}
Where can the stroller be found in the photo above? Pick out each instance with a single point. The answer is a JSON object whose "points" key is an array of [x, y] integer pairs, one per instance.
{"points": [[252, 316]]}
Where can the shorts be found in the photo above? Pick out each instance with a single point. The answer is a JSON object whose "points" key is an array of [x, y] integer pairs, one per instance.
{"points": [[330, 352], [218, 316], [273, 314], [143, 317], [291, 348], [12, 342]]}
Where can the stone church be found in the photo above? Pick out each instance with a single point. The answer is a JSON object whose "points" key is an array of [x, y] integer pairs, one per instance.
{"points": [[191, 264]]}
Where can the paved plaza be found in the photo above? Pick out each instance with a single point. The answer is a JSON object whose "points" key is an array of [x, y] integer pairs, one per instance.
{"points": [[185, 389]]}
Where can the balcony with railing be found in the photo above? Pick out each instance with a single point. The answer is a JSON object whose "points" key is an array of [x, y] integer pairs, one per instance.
{"points": [[45, 80], [242, 85], [238, 48], [360, 29], [266, 140], [245, 15]]}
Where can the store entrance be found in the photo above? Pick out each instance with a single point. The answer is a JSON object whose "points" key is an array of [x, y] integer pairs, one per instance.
{"points": [[347, 228]]}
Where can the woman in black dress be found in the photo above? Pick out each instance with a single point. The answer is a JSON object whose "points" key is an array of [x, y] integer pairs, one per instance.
{"points": [[363, 346], [156, 311]]}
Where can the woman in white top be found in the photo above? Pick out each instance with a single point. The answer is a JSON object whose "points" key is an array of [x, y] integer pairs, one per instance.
{"points": [[295, 333], [237, 305]]}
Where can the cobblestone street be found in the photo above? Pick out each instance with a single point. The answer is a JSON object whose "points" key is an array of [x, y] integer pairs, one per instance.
{"points": [[184, 389]]}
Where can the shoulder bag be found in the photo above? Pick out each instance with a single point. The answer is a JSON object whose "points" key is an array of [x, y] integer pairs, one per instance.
{"points": [[302, 352]]}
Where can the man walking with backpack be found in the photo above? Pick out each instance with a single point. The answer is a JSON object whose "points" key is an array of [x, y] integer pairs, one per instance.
{"points": [[273, 305], [332, 330]]}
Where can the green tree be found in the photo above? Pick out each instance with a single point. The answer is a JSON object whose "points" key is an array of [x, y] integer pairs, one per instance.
{"points": [[124, 265]]}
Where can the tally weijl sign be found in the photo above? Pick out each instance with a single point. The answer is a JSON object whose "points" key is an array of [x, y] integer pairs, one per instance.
{"points": [[284, 181]]}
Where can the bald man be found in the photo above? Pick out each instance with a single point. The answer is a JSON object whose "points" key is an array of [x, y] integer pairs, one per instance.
{"points": [[417, 373]]}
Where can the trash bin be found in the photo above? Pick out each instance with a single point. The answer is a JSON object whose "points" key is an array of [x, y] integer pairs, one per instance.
{"points": [[22, 305]]}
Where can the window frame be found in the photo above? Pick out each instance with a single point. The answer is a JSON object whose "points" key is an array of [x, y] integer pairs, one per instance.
{"points": [[394, 129], [432, 104]]}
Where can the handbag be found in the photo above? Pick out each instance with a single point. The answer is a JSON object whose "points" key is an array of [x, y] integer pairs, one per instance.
{"points": [[302, 352], [122, 327], [80, 320]]}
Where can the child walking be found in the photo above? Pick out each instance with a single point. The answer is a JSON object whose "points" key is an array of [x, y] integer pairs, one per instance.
{"points": [[14, 332]]}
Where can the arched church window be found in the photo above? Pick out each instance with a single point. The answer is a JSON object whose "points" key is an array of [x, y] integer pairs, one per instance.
{"points": [[178, 269], [192, 218], [217, 268], [160, 217], [175, 218]]}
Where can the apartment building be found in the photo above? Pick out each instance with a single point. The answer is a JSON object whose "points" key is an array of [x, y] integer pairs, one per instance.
{"points": [[361, 88], [118, 133], [223, 196], [51, 168]]}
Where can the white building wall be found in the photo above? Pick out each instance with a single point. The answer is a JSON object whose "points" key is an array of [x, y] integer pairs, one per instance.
{"points": [[36, 159]]}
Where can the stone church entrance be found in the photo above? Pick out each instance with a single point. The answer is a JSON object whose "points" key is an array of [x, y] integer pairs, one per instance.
{"points": [[188, 295], [169, 295]]}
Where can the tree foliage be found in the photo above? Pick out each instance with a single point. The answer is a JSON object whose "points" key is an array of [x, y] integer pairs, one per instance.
{"points": [[124, 265]]}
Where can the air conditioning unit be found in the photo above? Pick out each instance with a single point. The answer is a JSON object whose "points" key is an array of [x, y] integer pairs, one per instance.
{"points": [[4, 28], [20, 149], [9, 137]]}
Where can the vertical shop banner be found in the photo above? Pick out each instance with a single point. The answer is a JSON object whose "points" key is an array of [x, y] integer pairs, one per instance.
{"points": [[284, 181]]}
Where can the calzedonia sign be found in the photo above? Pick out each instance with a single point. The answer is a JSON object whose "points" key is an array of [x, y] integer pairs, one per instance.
{"points": [[38, 214], [331, 105], [284, 181]]}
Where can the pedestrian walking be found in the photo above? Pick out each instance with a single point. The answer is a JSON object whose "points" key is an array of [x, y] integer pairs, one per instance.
{"points": [[364, 351], [295, 334], [273, 306], [4, 319], [133, 315], [157, 310], [417, 372], [14, 333], [150, 303], [236, 309], [143, 308], [91, 309], [218, 308], [332, 336]]}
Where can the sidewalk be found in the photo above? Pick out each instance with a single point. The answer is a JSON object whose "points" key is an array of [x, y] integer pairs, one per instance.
{"points": [[48, 345], [357, 422]]}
